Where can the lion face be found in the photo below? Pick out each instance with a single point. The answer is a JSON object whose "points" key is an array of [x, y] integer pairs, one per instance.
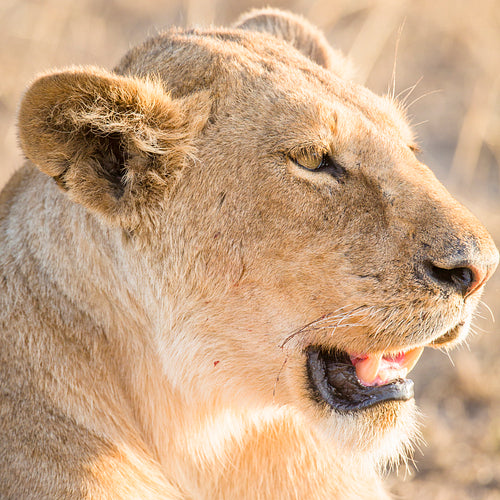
{"points": [[293, 249], [348, 257]]}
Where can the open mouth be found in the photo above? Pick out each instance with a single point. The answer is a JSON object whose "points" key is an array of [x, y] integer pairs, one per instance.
{"points": [[352, 382]]}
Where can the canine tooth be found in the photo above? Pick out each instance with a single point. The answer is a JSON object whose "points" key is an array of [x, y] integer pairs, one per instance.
{"points": [[411, 357], [367, 369], [380, 369]]}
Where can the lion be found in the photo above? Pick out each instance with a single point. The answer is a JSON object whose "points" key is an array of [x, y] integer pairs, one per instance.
{"points": [[218, 265]]}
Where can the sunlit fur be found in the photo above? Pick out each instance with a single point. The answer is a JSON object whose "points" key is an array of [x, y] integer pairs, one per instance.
{"points": [[164, 264]]}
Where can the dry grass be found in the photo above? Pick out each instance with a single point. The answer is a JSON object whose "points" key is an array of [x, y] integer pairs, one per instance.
{"points": [[448, 46]]}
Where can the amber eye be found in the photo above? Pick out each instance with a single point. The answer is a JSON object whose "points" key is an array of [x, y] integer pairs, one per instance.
{"points": [[318, 162], [308, 160]]}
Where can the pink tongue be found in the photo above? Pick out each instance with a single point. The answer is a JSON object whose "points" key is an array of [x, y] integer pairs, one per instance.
{"points": [[382, 369]]}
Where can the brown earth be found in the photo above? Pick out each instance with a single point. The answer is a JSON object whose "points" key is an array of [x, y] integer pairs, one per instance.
{"points": [[451, 51]]}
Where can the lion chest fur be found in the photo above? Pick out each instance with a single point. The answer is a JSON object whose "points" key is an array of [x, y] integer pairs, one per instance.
{"points": [[185, 230]]}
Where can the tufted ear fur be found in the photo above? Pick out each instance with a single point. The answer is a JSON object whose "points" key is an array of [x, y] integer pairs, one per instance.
{"points": [[300, 33], [114, 144]]}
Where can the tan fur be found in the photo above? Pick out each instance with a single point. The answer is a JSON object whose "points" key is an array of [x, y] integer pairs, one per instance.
{"points": [[164, 265]]}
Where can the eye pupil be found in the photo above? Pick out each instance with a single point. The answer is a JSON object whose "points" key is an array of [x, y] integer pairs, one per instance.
{"points": [[324, 161], [330, 166]]}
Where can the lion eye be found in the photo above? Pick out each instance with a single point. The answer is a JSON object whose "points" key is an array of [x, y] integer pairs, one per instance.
{"points": [[308, 160], [315, 162]]}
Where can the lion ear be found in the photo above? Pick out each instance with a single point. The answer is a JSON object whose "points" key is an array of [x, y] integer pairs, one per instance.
{"points": [[300, 33], [113, 143]]}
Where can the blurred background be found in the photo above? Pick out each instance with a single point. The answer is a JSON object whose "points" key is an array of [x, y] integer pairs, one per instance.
{"points": [[448, 68]]}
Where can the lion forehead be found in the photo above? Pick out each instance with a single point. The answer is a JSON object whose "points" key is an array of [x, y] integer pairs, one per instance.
{"points": [[262, 69]]}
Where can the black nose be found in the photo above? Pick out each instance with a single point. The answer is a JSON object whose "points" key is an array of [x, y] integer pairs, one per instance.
{"points": [[463, 278]]}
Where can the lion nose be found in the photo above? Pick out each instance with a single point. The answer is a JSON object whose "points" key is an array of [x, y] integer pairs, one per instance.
{"points": [[462, 276]]}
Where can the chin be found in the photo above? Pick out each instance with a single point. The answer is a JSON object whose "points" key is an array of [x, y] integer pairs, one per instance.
{"points": [[382, 435]]}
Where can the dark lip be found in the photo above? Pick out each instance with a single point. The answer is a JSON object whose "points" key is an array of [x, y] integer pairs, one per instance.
{"points": [[450, 336], [333, 380]]}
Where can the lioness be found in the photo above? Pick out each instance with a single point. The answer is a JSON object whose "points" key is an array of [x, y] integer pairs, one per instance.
{"points": [[217, 267]]}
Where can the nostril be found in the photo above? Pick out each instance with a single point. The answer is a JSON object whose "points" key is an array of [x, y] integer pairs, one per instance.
{"points": [[461, 279]]}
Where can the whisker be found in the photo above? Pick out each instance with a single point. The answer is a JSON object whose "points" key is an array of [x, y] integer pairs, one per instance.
{"points": [[422, 96], [332, 321], [420, 123], [488, 308], [396, 49], [479, 315], [409, 90], [297, 332], [450, 358], [478, 328]]}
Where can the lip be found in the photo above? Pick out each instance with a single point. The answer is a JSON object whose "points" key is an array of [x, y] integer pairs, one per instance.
{"points": [[333, 380], [449, 337]]}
